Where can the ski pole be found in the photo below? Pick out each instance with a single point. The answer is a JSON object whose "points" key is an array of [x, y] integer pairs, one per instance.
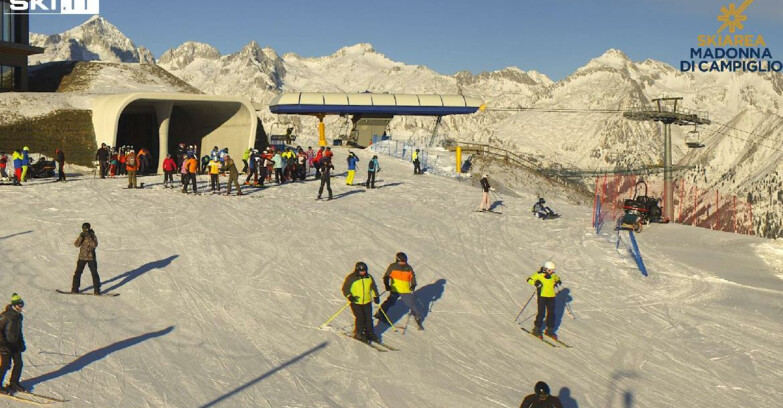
{"points": [[499, 198], [419, 302], [568, 307], [523, 307], [335, 315], [388, 320]]}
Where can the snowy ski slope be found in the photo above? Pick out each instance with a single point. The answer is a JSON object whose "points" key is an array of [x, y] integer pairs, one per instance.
{"points": [[221, 298]]}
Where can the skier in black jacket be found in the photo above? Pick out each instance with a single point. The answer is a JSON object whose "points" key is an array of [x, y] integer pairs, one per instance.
{"points": [[541, 398], [12, 344], [485, 187], [102, 156], [326, 175]]}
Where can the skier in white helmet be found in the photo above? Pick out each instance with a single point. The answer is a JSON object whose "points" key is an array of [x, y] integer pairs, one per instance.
{"points": [[545, 281]]}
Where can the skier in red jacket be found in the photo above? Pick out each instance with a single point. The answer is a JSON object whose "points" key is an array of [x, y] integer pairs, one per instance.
{"points": [[169, 167]]}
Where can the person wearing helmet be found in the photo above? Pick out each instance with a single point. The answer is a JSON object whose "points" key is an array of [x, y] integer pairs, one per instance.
{"points": [[25, 162], [545, 281], [400, 281], [542, 211], [486, 188], [416, 162], [326, 176], [541, 398], [360, 290]]}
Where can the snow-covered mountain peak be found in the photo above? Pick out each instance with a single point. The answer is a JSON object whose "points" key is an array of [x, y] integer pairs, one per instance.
{"points": [[356, 49], [94, 40], [180, 57], [612, 58]]}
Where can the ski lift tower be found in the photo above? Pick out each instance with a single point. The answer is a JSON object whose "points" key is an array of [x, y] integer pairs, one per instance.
{"points": [[666, 111]]}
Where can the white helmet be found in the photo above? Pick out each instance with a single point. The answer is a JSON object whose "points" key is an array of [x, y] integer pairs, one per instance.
{"points": [[549, 265]]}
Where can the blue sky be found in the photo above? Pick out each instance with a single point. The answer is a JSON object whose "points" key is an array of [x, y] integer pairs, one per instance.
{"points": [[553, 36]]}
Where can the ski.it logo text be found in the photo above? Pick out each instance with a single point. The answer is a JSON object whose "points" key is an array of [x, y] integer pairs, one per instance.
{"points": [[56, 6]]}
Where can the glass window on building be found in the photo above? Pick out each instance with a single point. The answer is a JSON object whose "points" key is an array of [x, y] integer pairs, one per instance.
{"points": [[7, 78], [6, 22]]}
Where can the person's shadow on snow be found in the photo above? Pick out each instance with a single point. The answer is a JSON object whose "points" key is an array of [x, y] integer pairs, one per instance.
{"points": [[565, 398], [562, 297], [424, 298], [428, 295], [93, 356], [495, 204], [131, 275]]}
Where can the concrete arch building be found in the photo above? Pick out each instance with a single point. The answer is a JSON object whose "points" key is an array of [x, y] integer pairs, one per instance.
{"points": [[160, 121]]}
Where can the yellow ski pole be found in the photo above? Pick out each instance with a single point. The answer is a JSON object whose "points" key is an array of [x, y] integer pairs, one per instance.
{"points": [[388, 320], [335, 315]]}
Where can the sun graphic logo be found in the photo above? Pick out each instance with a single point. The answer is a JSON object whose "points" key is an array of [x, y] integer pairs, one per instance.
{"points": [[728, 50], [732, 16]]}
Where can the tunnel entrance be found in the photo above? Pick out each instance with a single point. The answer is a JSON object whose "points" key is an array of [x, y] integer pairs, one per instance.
{"points": [[139, 129], [160, 122]]}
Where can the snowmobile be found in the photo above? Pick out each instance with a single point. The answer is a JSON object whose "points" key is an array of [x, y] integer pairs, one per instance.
{"points": [[42, 168]]}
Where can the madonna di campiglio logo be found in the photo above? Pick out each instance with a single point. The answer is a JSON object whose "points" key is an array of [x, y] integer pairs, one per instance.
{"points": [[729, 49]]}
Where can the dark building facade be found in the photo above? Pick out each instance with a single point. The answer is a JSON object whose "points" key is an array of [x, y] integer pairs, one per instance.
{"points": [[14, 48]]}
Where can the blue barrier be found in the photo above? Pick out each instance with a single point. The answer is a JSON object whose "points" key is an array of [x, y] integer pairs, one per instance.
{"points": [[637, 255]]}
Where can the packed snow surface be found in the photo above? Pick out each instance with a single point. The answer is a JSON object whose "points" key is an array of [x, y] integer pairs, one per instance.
{"points": [[221, 298]]}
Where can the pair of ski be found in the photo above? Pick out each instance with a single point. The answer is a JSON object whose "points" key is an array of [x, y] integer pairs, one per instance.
{"points": [[32, 398], [488, 211], [378, 346], [548, 340], [67, 292]]}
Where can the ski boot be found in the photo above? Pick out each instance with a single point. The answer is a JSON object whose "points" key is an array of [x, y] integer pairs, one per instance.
{"points": [[16, 387], [418, 322], [550, 333], [537, 332]]}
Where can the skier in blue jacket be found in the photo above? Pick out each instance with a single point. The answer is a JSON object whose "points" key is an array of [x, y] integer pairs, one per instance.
{"points": [[352, 160], [372, 168]]}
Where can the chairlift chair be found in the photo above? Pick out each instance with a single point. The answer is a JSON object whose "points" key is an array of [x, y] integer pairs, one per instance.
{"points": [[693, 140]]}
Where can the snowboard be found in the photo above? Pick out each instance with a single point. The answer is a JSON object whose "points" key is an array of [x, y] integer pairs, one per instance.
{"points": [[68, 292]]}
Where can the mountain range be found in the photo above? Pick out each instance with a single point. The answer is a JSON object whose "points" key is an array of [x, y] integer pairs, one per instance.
{"points": [[572, 123]]}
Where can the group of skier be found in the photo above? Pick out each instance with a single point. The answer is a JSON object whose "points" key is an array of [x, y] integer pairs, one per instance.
{"points": [[20, 159], [360, 289]]}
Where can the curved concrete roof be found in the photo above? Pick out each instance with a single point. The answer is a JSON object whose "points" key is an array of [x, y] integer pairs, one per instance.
{"points": [[304, 103], [107, 110], [228, 121]]}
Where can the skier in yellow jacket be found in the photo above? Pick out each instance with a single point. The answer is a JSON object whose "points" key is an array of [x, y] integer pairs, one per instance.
{"points": [[360, 289], [545, 281]]}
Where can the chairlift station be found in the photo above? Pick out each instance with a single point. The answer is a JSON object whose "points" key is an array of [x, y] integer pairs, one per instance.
{"points": [[370, 112]]}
